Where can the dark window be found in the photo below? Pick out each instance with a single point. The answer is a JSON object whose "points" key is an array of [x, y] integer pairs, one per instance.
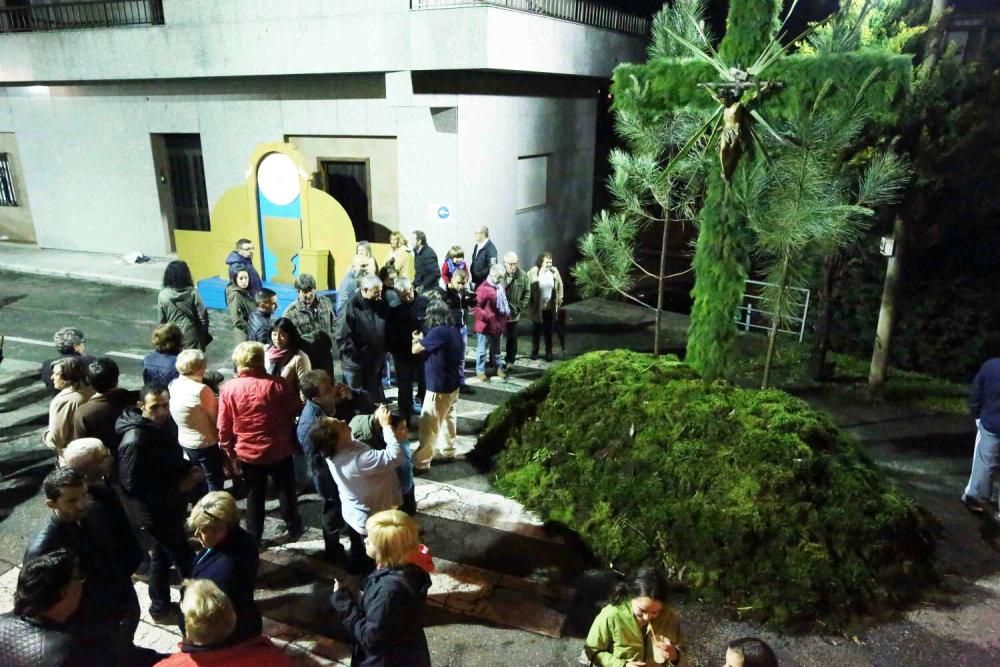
{"points": [[348, 182], [187, 182], [8, 196]]}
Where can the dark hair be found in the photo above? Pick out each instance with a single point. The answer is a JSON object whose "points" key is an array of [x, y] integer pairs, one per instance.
{"points": [[385, 271], [168, 339], [59, 479], [102, 374], [178, 275], [73, 370], [151, 388], [455, 252], [647, 582], [264, 294], [438, 314], [305, 282], [42, 580], [395, 419], [541, 258], [236, 269], [287, 326], [420, 236], [212, 379], [311, 382], [242, 242], [755, 652]]}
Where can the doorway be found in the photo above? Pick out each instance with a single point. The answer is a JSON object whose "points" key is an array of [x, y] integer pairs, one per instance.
{"points": [[349, 182]]}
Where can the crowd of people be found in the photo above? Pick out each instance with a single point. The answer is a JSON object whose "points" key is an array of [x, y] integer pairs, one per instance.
{"points": [[147, 480]]}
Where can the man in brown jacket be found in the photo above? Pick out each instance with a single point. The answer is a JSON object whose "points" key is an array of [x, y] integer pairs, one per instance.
{"points": [[516, 284]]}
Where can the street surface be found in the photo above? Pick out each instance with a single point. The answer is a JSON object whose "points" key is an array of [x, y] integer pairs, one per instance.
{"points": [[507, 591]]}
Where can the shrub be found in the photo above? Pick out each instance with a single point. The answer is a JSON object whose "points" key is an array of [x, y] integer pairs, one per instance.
{"points": [[751, 498]]}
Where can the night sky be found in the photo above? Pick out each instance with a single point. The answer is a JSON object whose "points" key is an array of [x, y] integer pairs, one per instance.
{"points": [[807, 10]]}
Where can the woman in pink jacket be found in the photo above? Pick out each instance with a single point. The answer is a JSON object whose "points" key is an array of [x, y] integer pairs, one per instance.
{"points": [[491, 313]]}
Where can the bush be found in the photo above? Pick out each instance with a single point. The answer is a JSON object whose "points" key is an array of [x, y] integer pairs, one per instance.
{"points": [[751, 498]]}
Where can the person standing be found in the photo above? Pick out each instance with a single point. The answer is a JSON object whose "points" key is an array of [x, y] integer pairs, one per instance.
{"points": [[36, 632], [242, 259], [457, 297], [256, 425], [443, 350], [284, 358], [179, 303], [96, 418], [69, 342], [69, 376], [491, 313], [361, 337], [546, 298], [155, 478], [484, 257], [195, 410], [259, 323], [400, 257], [426, 271], [239, 302], [160, 365], [518, 288], [984, 405], [313, 316], [404, 319]]}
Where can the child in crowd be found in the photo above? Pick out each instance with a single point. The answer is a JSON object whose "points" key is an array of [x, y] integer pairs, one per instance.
{"points": [[749, 652], [398, 430], [454, 261], [639, 629]]}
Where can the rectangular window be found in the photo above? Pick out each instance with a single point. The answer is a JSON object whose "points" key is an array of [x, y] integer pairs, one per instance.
{"points": [[532, 181], [8, 197]]}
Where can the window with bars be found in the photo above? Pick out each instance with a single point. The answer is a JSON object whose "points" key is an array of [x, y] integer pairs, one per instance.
{"points": [[8, 195]]}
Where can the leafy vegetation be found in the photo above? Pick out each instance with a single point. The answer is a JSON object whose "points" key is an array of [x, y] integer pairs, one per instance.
{"points": [[750, 498]]}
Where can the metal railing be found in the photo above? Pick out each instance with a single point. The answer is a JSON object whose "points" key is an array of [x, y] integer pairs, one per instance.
{"points": [[750, 316], [578, 11], [81, 15]]}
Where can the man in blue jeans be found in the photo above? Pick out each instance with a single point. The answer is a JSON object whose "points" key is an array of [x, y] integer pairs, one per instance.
{"points": [[985, 407]]}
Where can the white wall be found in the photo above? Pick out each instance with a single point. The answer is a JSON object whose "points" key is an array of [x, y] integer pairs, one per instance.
{"points": [[495, 131], [215, 38]]}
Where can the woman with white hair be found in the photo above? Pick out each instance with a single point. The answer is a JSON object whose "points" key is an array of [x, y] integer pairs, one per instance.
{"points": [[491, 313], [195, 409]]}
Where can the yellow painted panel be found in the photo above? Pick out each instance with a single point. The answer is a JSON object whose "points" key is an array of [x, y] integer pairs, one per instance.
{"points": [[284, 239], [330, 229], [232, 219]]}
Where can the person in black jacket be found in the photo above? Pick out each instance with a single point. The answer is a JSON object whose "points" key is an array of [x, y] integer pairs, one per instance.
{"points": [[385, 625], [361, 338], [484, 256], [404, 319], [155, 476], [230, 559], [426, 270], [458, 299], [259, 322], [109, 610], [36, 634], [97, 417]]}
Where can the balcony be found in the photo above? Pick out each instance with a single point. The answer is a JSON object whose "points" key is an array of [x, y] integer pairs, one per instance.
{"points": [[80, 15], [587, 13]]}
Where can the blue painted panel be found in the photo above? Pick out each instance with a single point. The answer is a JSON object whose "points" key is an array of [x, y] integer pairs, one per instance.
{"points": [[265, 209]]}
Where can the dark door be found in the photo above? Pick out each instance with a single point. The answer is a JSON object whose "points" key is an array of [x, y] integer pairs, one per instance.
{"points": [[348, 182], [187, 181]]}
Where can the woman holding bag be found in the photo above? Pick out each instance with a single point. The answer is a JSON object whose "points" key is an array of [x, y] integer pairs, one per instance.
{"points": [[179, 303]]}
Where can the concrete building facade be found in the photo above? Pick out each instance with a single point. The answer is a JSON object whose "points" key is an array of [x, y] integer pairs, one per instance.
{"points": [[449, 114]]}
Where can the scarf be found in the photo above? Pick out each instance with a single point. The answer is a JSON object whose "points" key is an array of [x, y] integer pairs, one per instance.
{"points": [[503, 307], [453, 265], [279, 357]]}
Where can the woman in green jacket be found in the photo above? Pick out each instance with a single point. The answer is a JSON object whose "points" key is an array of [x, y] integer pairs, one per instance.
{"points": [[178, 302], [638, 630], [239, 302]]}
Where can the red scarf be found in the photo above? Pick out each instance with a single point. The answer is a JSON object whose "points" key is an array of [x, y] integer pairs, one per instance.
{"points": [[279, 357]]}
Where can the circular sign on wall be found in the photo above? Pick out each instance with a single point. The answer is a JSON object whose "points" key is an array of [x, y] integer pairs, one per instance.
{"points": [[278, 179]]}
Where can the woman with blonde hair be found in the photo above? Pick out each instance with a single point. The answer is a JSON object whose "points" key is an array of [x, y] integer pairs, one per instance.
{"points": [[400, 257], [230, 557], [195, 409], [384, 625]]}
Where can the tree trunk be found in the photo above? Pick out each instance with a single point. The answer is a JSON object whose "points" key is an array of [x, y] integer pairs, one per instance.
{"points": [[821, 344], [660, 280], [887, 313], [934, 46], [772, 335]]}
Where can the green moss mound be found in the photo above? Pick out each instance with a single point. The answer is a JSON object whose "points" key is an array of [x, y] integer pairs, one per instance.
{"points": [[751, 498]]}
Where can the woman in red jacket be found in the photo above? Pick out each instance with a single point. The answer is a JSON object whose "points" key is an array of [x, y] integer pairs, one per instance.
{"points": [[256, 431], [491, 313]]}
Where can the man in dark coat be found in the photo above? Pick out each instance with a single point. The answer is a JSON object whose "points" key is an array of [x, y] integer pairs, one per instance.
{"points": [[361, 338], [458, 299], [36, 634], [484, 256], [426, 270], [97, 417], [984, 404], [241, 259], [404, 319], [259, 322], [155, 477], [109, 610]]}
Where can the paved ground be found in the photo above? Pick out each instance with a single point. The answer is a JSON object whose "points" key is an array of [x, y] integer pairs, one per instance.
{"points": [[507, 592]]}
